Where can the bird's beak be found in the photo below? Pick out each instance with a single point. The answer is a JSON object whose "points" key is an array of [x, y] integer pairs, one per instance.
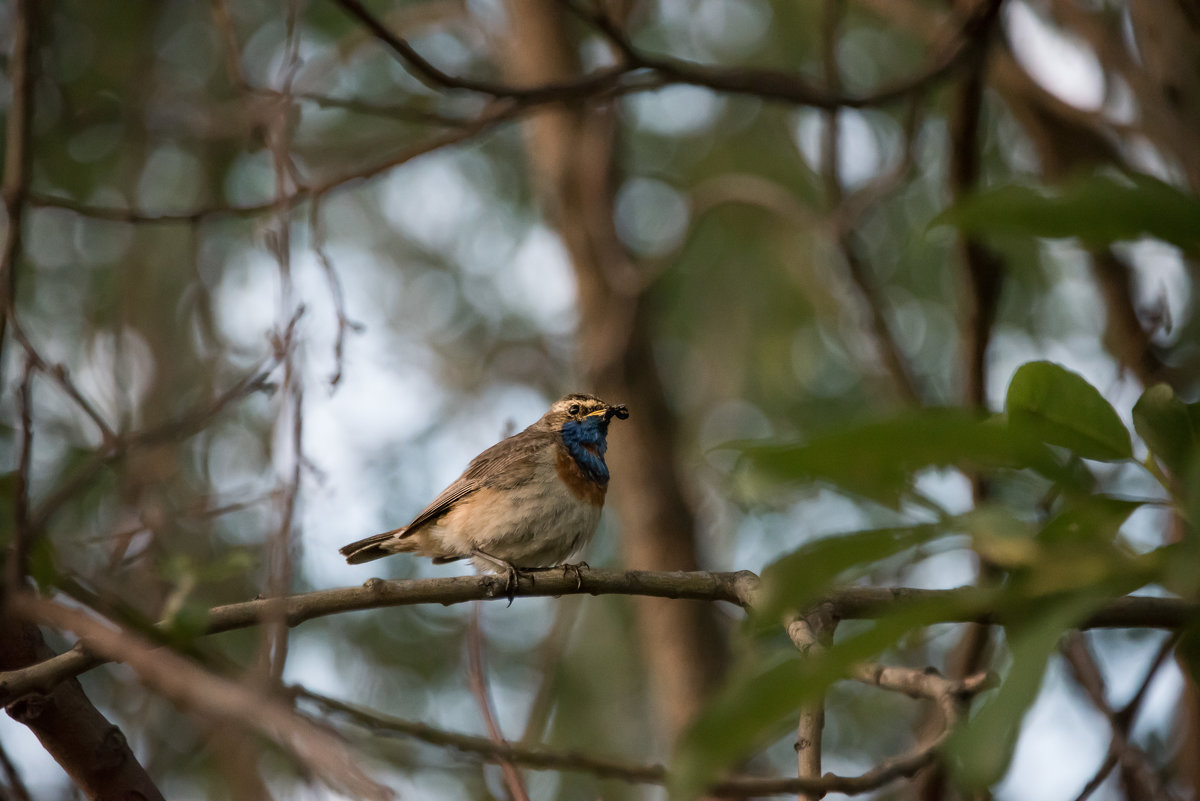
{"points": [[608, 412]]}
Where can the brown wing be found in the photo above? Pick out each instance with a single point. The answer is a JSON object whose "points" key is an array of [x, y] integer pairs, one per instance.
{"points": [[506, 464]]}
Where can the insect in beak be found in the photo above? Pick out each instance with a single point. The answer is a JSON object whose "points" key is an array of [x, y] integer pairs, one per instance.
{"points": [[619, 411]]}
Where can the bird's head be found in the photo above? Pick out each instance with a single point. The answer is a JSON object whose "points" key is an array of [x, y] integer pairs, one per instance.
{"points": [[580, 410], [582, 423]]}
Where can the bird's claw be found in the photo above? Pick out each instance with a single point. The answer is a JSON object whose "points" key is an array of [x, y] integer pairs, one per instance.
{"points": [[577, 571], [512, 579]]}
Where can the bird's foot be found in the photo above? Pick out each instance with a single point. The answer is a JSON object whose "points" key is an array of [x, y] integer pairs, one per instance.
{"points": [[512, 580], [575, 570], [568, 569], [512, 573]]}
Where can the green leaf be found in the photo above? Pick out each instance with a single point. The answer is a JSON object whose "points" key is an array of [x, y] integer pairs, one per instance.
{"points": [[1092, 520], [878, 460], [984, 746], [794, 581], [1169, 427], [1061, 408], [1098, 209]]}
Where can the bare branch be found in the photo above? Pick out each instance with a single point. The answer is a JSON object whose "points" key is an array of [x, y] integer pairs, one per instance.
{"points": [[23, 532], [490, 118], [643, 72], [316, 234], [550, 652], [809, 635], [274, 643], [648, 75], [540, 758], [16, 786], [476, 678], [192, 687], [14, 187], [181, 427], [1139, 776], [740, 588]]}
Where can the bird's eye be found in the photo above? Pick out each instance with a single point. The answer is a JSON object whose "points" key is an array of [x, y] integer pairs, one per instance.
{"points": [[573, 410]]}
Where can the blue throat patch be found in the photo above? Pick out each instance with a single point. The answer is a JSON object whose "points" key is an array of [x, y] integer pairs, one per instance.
{"points": [[586, 443]]}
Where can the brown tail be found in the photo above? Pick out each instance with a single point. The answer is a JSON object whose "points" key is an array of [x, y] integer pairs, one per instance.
{"points": [[375, 547]]}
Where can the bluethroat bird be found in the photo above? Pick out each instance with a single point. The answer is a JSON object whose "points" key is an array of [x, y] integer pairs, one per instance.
{"points": [[529, 501]]}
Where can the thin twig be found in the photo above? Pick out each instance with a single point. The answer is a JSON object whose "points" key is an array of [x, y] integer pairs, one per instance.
{"points": [[192, 687], [983, 271], [643, 72], [291, 398], [316, 234], [889, 351], [12, 777], [550, 653], [478, 684], [392, 111], [59, 374], [178, 428], [223, 21], [809, 636], [490, 118], [650, 75], [1120, 749], [541, 758], [23, 533], [18, 153]]}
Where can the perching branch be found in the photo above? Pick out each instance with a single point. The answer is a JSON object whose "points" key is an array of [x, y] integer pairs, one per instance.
{"points": [[740, 588]]}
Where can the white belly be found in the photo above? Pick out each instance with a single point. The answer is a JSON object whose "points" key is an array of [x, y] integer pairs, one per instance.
{"points": [[540, 524]]}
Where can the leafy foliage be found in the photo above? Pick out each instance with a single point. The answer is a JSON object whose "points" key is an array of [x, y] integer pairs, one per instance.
{"points": [[1098, 209], [879, 460], [1061, 408], [1051, 572]]}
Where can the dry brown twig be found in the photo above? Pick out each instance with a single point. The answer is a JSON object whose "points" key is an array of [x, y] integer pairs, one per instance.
{"points": [[541, 758], [23, 532], [640, 71], [550, 652], [1140, 778], [477, 681], [14, 187], [184, 425], [510, 103], [494, 115], [345, 325], [280, 545], [810, 636], [15, 784], [194, 688]]}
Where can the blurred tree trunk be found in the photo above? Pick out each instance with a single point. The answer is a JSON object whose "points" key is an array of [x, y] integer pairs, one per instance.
{"points": [[571, 157]]}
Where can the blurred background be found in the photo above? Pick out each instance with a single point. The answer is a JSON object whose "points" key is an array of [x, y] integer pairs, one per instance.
{"points": [[213, 191]]}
